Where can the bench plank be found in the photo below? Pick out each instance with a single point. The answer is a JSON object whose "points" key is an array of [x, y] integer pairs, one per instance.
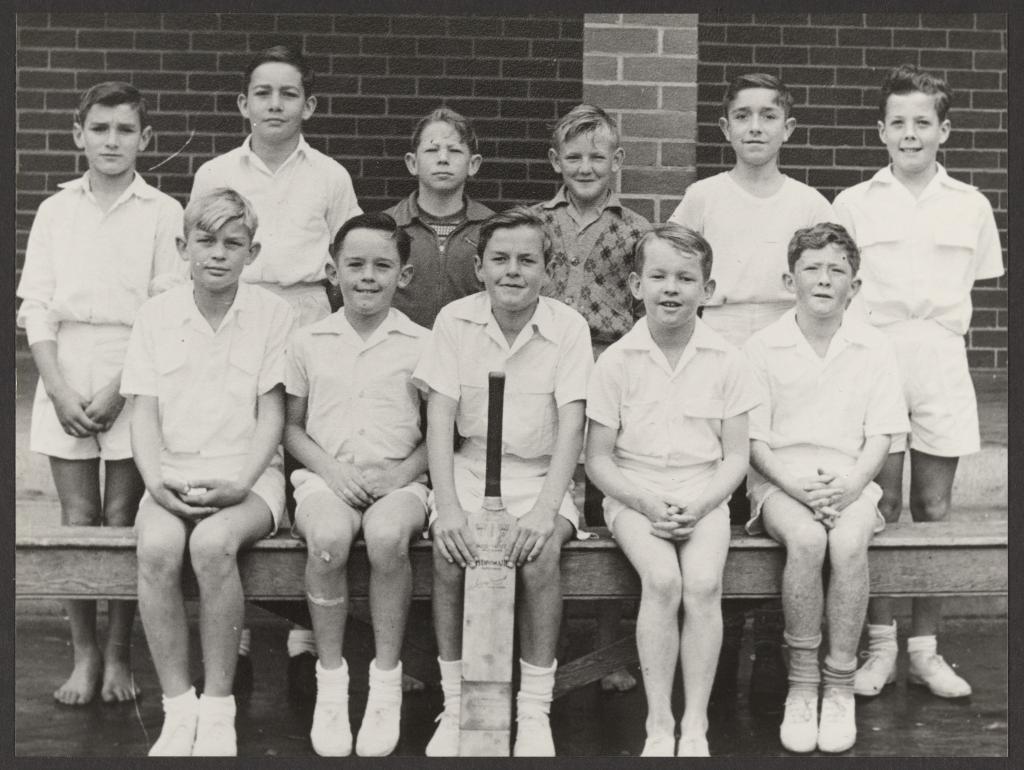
{"points": [[942, 558]]}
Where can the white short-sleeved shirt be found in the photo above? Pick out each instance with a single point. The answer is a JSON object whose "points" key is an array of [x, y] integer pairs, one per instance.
{"points": [[86, 265], [546, 368], [670, 418], [749, 235], [920, 256], [817, 409], [361, 406], [300, 208], [207, 382]]}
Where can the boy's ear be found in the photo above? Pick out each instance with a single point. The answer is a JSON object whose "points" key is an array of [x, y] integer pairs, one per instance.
{"points": [[243, 105], [474, 163], [553, 159], [254, 251], [881, 131], [723, 124], [854, 288], [77, 134], [944, 129], [789, 282], [144, 136], [181, 242], [331, 272], [405, 275], [709, 290], [309, 107], [617, 157], [633, 279], [790, 124], [477, 265], [410, 162]]}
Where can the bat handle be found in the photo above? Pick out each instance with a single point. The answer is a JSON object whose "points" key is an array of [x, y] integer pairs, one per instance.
{"points": [[495, 404]]}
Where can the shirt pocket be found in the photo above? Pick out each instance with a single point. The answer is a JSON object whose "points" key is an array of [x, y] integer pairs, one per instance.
{"points": [[700, 430], [530, 415], [885, 261], [243, 372], [170, 358]]}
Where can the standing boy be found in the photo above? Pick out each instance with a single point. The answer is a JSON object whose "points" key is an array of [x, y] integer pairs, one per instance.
{"points": [[302, 198], [748, 214], [925, 238], [667, 443], [593, 237], [440, 219], [205, 367], [354, 423], [543, 347], [831, 401], [95, 249]]}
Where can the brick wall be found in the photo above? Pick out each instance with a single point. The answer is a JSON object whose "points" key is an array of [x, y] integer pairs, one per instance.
{"points": [[835, 65]]}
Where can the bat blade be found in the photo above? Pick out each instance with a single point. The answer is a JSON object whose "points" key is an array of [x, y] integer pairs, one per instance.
{"points": [[488, 619]]}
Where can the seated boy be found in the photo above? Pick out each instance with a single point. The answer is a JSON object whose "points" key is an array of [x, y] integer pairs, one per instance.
{"points": [[543, 347], [302, 197], [205, 367], [593, 236], [353, 422], [911, 219], [440, 219], [95, 250], [667, 443], [831, 402]]}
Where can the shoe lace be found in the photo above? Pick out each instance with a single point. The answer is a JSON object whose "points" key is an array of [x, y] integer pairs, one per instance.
{"points": [[798, 709], [833, 706]]}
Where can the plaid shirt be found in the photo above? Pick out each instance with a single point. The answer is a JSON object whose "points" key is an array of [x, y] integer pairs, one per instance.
{"points": [[589, 267]]}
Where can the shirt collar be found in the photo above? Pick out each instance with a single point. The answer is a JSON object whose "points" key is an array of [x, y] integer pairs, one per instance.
{"points": [[186, 310], [639, 337], [785, 333], [478, 310], [562, 199], [138, 186], [885, 176], [407, 210], [302, 148], [396, 322]]}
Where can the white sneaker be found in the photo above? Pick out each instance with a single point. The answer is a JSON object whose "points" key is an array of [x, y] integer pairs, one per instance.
{"points": [[693, 746], [215, 737], [799, 729], [445, 741], [378, 734], [938, 676], [659, 746], [877, 671], [331, 734], [177, 735], [837, 730], [533, 736]]}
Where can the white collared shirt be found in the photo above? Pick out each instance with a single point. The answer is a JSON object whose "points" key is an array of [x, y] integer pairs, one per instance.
{"points": [[829, 405], [920, 256], [86, 265], [300, 207], [361, 406], [749, 235], [546, 367], [207, 382], [670, 418]]}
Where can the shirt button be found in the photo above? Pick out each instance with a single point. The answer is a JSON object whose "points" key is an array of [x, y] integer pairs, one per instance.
{"points": [[574, 261]]}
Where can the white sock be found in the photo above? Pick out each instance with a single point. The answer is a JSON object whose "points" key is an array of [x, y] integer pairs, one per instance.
{"points": [[187, 701], [536, 686], [385, 685], [922, 646], [300, 640], [451, 685], [332, 683], [210, 705], [243, 642], [881, 636]]}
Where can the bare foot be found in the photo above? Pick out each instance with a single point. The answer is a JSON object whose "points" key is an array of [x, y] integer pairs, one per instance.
{"points": [[412, 684], [117, 682], [618, 681], [81, 686]]}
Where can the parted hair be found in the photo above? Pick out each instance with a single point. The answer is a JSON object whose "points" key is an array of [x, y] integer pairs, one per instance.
{"points": [[906, 79], [583, 119], [111, 93], [818, 237], [682, 239], [462, 125], [517, 216], [285, 55], [381, 222], [783, 96], [212, 210]]}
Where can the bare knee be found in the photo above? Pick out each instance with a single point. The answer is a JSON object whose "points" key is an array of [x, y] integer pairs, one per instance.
{"points": [[847, 549], [891, 506], [806, 545], [702, 591], [662, 584], [387, 547], [544, 571], [159, 558], [929, 506], [80, 512], [447, 575], [214, 552], [328, 544]]}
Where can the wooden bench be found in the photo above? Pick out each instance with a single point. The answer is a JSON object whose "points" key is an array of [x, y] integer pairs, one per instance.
{"points": [[907, 559]]}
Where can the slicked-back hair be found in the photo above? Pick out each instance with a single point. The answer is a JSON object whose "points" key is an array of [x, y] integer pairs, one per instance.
{"points": [[462, 125], [682, 239], [580, 120], [517, 216], [906, 79], [818, 237], [210, 211], [382, 223], [111, 93], [285, 55], [783, 96]]}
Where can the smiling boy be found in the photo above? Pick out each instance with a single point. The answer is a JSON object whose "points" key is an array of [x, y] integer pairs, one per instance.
{"points": [[831, 401], [354, 423], [543, 347], [925, 238]]}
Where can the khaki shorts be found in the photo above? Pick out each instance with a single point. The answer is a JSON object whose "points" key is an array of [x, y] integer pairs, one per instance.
{"points": [[307, 483], [763, 490], [90, 357], [659, 482]]}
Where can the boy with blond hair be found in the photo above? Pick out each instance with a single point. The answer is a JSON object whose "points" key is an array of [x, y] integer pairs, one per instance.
{"points": [[911, 220], [831, 402], [354, 422], [543, 347], [205, 370], [96, 250]]}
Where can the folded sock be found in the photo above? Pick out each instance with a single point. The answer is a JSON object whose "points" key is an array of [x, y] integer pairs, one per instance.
{"points": [[300, 640]]}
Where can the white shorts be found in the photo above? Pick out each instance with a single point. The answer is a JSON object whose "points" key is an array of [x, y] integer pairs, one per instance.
{"points": [[518, 495], [938, 388], [764, 489], [308, 300], [90, 357], [659, 482], [739, 321], [269, 486], [307, 483]]}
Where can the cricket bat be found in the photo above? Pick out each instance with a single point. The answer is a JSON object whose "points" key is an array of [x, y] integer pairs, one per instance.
{"points": [[488, 616]]}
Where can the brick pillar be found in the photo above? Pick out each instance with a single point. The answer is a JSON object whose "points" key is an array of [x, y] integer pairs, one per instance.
{"points": [[642, 69]]}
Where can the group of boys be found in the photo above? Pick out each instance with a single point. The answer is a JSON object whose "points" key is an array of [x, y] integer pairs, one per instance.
{"points": [[189, 396]]}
